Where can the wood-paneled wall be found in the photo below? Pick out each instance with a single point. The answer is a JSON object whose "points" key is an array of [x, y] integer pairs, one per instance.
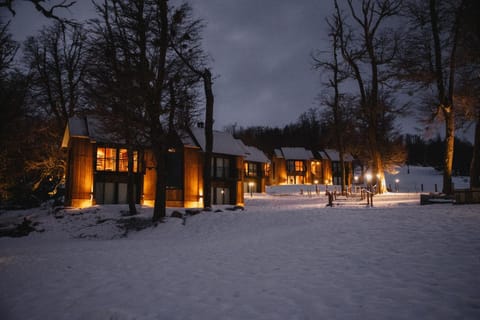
{"points": [[80, 173]]}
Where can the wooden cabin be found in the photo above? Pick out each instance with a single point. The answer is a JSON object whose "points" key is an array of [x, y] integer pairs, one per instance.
{"points": [[256, 170], [301, 166], [97, 168], [336, 173], [292, 166], [323, 168]]}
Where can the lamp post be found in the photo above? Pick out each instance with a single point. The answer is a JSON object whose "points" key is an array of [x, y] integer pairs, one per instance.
{"points": [[396, 184], [316, 187]]}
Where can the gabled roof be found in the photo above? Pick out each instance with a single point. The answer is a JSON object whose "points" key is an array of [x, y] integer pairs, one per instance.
{"points": [[334, 155], [278, 153], [320, 155], [223, 142], [296, 153], [90, 127], [256, 155]]}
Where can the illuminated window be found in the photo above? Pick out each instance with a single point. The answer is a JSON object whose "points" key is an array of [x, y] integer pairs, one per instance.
{"points": [[250, 169], [123, 160], [267, 169], [316, 167], [111, 159], [299, 166], [106, 159]]}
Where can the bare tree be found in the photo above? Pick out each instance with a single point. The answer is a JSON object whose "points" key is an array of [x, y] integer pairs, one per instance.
{"points": [[432, 45], [47, 10], [185, 43], [141, 76], [8, 48], [467, 98], [336, 75], [56, 59], [368, 48]]}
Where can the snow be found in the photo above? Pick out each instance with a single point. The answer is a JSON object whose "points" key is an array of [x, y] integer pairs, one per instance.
{"points": [[223, 142], [255, 155], [296, 153], [286, 256]]}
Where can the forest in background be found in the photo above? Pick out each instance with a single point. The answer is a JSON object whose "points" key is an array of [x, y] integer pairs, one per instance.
{"points": [[313, 132]]}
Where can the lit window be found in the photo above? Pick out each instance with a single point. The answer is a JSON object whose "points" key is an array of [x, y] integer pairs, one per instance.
{"points": [[106, 159], [123, 160], [267, 169], [251, 169], [299, 166]]}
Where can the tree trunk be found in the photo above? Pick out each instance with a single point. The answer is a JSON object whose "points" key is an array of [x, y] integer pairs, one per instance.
{"points": [[377, 165], [131, 183], [475, 165], [207, 165], [159, 209], [342, 172], [449, 148]]}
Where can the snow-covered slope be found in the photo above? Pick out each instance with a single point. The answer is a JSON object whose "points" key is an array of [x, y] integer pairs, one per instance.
{"points": [[286, 256]]}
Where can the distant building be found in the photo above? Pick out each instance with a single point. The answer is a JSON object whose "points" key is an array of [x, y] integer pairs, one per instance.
{"points": [[256, 170], [336, 173], [292, 165], [298, 165]]}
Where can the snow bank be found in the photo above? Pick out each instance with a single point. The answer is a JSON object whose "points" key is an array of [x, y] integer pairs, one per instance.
{"points": [[283, 257]]}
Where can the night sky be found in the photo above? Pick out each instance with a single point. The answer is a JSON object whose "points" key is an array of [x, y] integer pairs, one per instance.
{"points": [[260, 53]]}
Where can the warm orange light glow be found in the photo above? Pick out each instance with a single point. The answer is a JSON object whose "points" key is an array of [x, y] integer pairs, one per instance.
{"points": [[81, 203], [149, 203]]}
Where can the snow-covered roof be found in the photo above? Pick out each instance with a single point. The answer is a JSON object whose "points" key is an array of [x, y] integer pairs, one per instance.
{"points": [[187, 139], [296, 153], [278, 153], [256, 155], [91, 128], [223, 142], [334, 155], [319, 155]]}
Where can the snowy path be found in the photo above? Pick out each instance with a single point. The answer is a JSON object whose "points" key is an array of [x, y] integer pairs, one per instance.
{"points": [[282, 258]]}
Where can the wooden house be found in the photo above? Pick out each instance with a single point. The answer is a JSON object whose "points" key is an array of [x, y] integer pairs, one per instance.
{"points": [[256, 170], [302, 166], [322, 170], [336, 173], [292, 166], [97, 168]]}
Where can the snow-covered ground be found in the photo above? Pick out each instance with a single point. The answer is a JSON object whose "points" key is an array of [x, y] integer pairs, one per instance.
{"points": [[286, 256]]}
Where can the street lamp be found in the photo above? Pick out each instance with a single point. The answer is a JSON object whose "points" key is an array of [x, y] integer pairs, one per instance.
{"points": [[396, 184], [368, 177], [316, 186], [250, 185]]}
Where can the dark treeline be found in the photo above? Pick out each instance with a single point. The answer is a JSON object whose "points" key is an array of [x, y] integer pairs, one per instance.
{"points": [[310, 132], [431, 152]]}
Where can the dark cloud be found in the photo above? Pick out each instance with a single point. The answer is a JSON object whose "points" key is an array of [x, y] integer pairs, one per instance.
{"points": [[260, 53]]}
